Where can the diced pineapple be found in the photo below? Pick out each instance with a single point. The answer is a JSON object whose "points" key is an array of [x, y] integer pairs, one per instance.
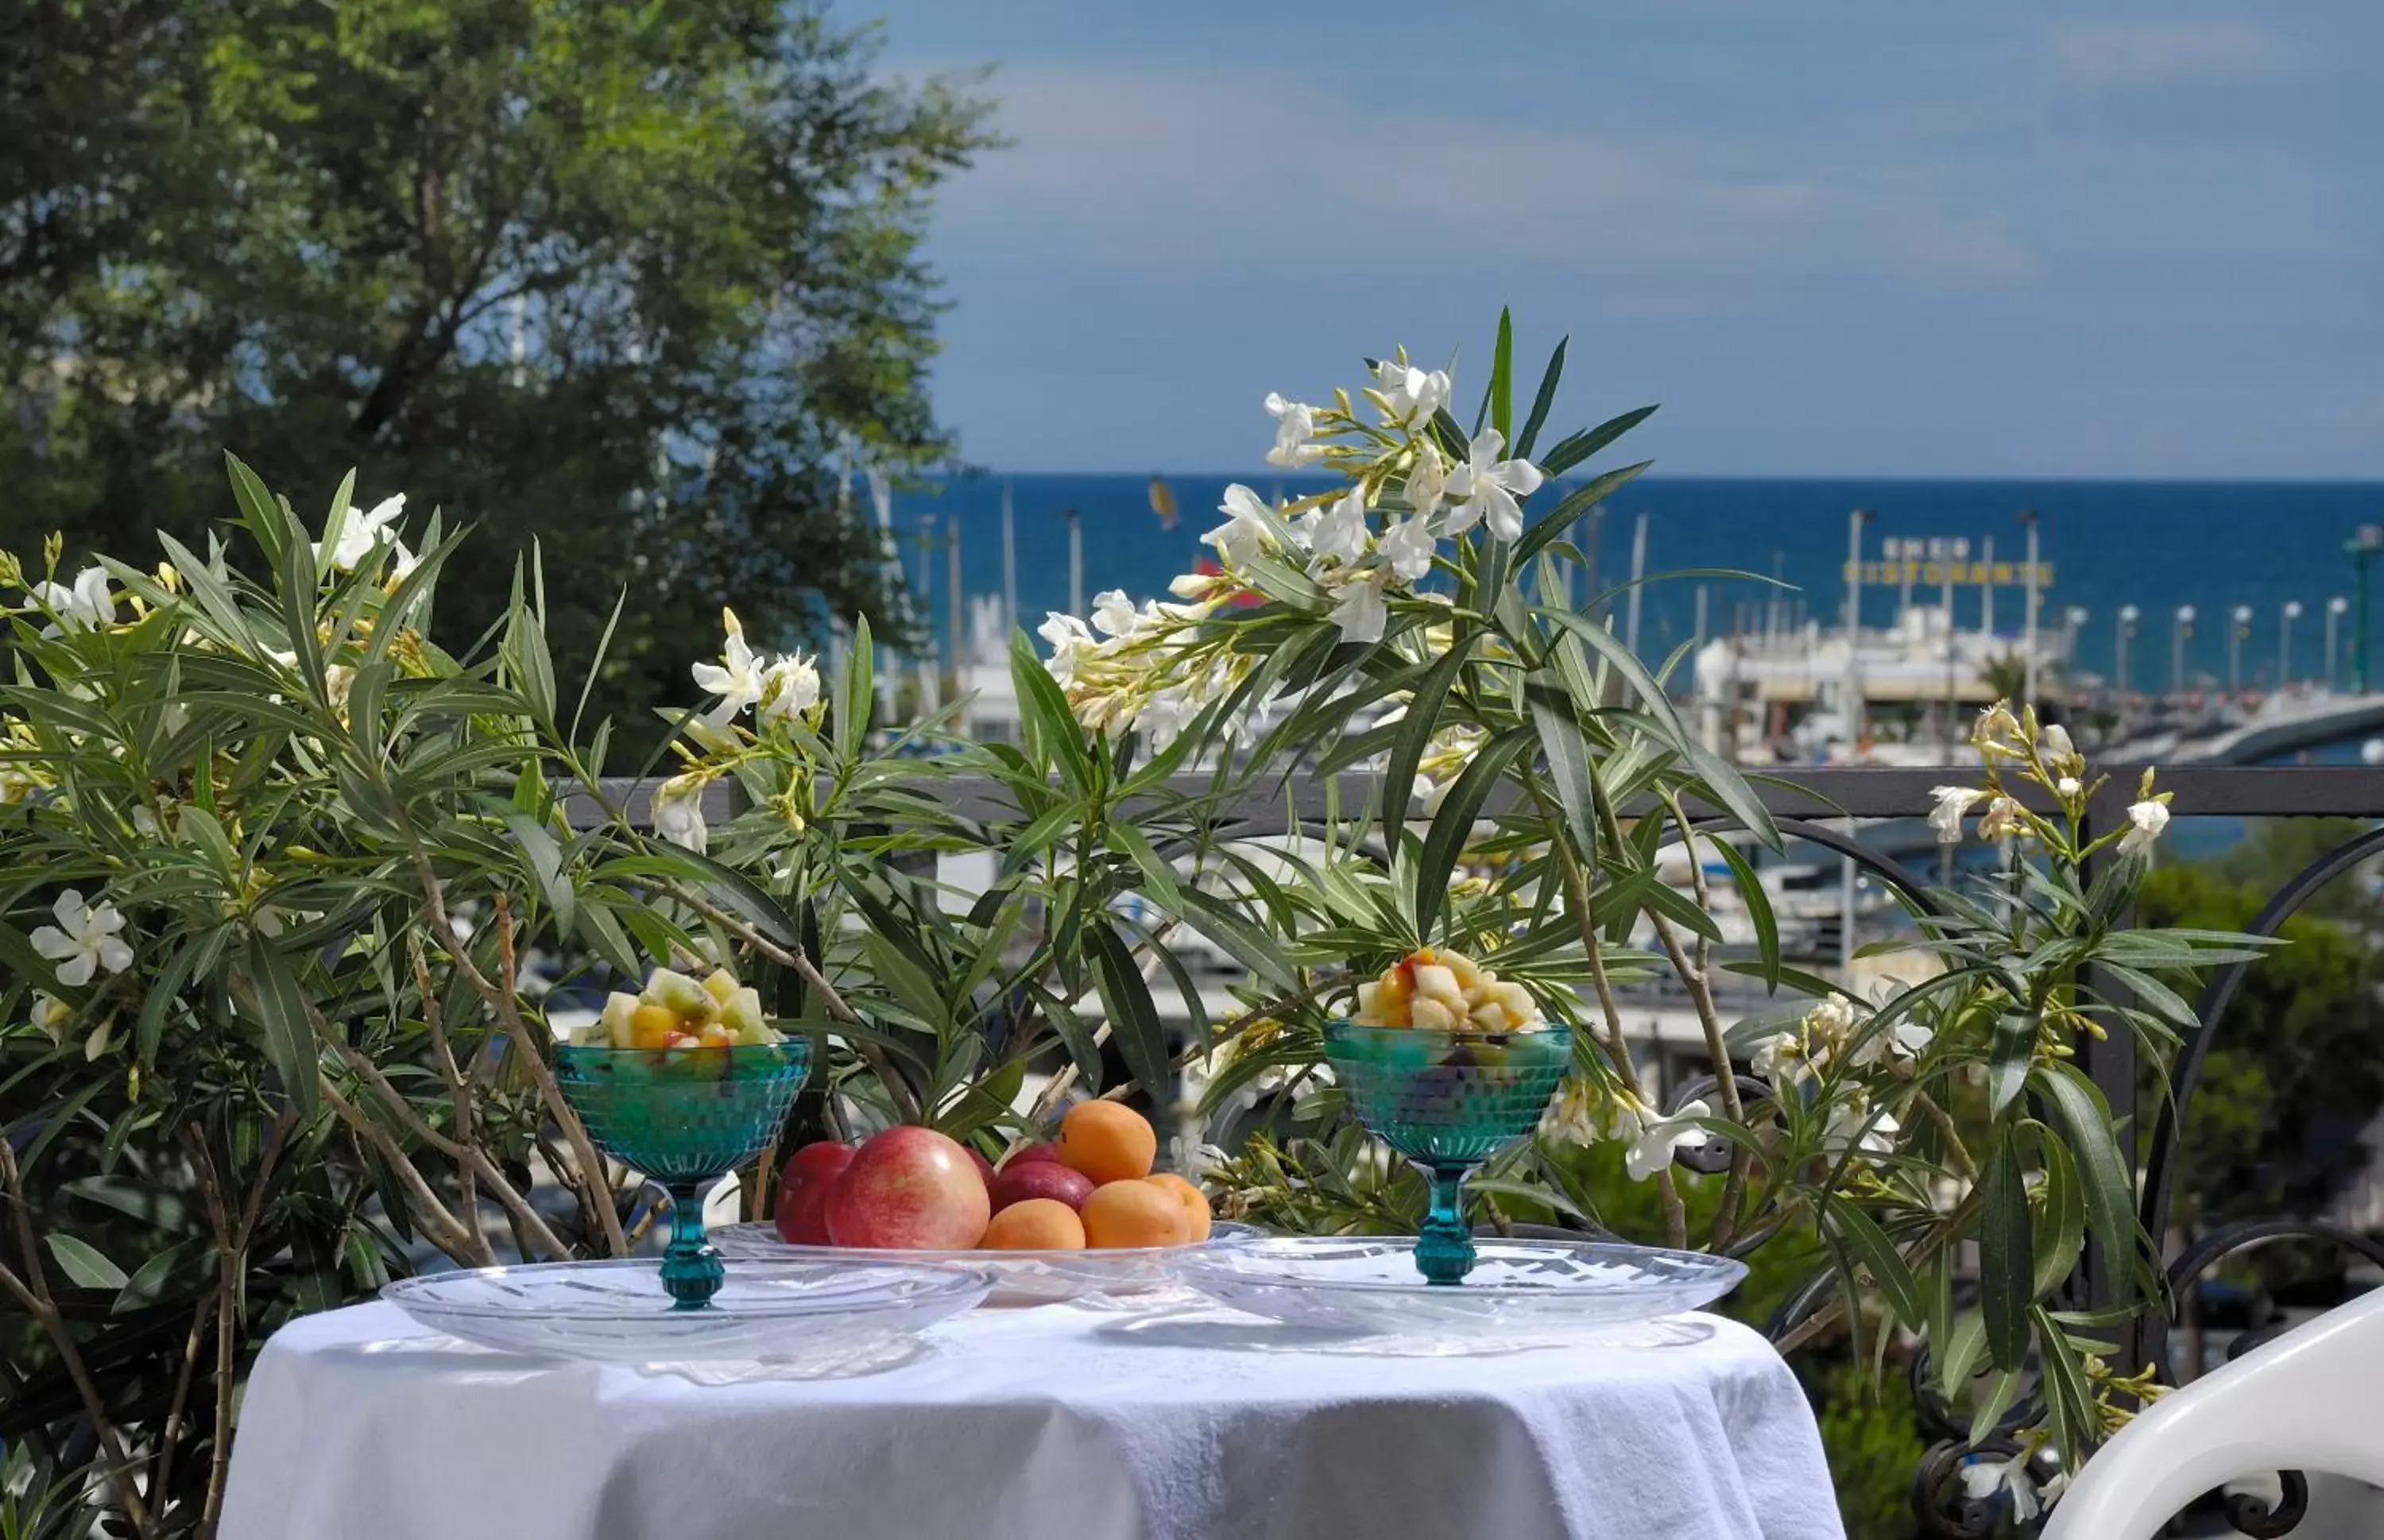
{"points": [[741, 1008], [1367, 993], [1520, 1009], [1430, 1014], [1436, 982], [1487, 1017], [757, 1035], [1469, 977], [720, 985], [614, 1023], [678, 993]]}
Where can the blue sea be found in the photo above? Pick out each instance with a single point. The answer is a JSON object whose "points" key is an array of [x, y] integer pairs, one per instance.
{"points": [[2153, 544]]}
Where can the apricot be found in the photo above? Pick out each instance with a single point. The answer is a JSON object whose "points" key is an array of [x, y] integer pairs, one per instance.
{"points": [[1195, 1202], [1106, 1142], [1034, 1224], [1133, 1213]]}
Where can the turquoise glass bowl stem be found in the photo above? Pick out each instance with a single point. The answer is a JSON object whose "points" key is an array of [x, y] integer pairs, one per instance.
{"points": [[1447, 1102], [684, 1118]]}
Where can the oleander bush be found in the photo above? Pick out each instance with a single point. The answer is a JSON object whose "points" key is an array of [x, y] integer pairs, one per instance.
{"points": [[287, 872]]}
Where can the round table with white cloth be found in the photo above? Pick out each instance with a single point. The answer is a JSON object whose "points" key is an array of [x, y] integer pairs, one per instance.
{"points": [[1063, 1422]]}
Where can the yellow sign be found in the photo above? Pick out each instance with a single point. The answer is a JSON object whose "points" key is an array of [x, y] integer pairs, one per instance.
{"points": [[1964, 574]]}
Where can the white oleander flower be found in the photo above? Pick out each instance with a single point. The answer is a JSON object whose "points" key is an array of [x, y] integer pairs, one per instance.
{"points": [[1415, 395], [1241, 538], [1338, 532], [1113, 612], [1953, 802], [83, 940], [1573, 1115], [403, 561], [1982, 1478], [51, 1015], [1485, 488], [1651, 1150], [1780, 1059], [1070, 641], [1998, 732], [1427, 482], [790, 687], [1834, 1015], [2002, 820], [1358, 609], [1408, 548], [86, 604], [1204, 586], [736, 678], [2068, 786], [1903, 1043], [364, 532], [2059, 751], [1166, 715], [678, 814], [1294, 425], [2146, 820], [1851, 1123]]}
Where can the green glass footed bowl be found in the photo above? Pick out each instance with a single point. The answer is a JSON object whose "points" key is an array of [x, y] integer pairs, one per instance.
{"points": [[1447, 1097], [683, 1114], [684, 1118], [1447, 1102]]}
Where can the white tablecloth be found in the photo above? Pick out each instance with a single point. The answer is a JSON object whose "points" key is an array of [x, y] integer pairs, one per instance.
{"points": [[1056, 1424]]}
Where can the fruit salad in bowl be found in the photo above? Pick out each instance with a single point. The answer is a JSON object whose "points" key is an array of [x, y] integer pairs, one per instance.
{"points": [[675, 1010], [1440, 990]]}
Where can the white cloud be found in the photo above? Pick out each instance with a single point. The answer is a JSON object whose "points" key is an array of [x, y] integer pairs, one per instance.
{"points": [[2126, 56], [1197, 171]]}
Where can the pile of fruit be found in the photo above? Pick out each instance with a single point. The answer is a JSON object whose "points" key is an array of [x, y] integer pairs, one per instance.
{"points": [[674, 1010], [912, 1188], [1446, 991]]}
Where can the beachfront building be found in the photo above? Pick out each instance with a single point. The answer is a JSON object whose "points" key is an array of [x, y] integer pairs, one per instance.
{"points": [[1904, 693]]}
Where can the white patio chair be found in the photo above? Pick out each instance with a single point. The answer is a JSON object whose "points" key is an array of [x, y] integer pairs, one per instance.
{"points": [[2306, 1401]]}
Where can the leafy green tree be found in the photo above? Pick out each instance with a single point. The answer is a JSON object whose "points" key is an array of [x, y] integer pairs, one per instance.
{"points": [[626, 280], [2292, 1074]]}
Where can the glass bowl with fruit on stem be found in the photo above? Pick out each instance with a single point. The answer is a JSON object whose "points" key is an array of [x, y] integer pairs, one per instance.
{"points": [[1447, 1065], [683, 1083], [1080, 1214]]}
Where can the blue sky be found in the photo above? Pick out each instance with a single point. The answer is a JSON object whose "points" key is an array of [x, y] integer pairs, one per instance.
{"points": [[1831, 236]]}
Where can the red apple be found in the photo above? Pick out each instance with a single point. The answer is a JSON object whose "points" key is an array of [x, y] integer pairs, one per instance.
{"points": [[811, 1175], [1040, 1179], [1048, 1151], [910, 1188]]}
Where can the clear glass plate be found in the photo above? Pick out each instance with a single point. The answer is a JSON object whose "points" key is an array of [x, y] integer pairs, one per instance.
{"points": [[1370, 1283], [1018, 1277], [619, 1312]]}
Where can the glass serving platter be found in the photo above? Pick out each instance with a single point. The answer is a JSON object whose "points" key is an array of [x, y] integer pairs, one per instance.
{"points": [[1370, 1283], [1017, 1277], [620, 1311]]}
